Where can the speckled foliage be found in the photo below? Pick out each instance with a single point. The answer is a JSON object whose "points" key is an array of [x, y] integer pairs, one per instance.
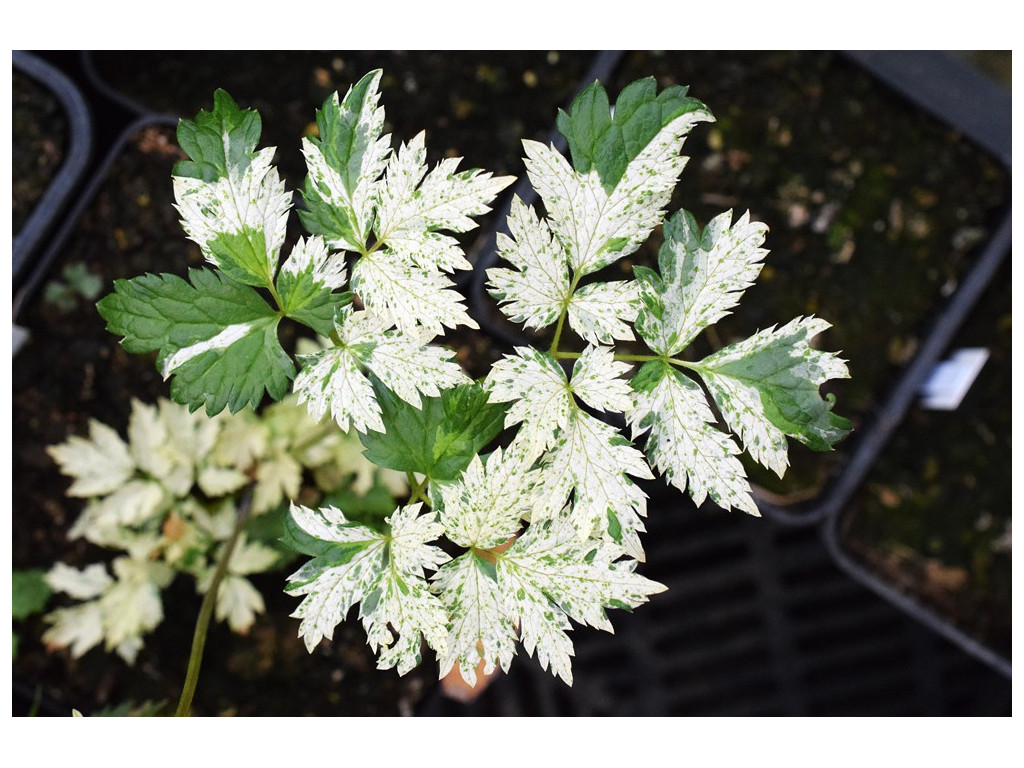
{"points": [[545, 530]]}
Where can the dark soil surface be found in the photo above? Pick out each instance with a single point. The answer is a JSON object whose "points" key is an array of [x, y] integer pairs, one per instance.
{"points": [[38, 132], [934, 514]]}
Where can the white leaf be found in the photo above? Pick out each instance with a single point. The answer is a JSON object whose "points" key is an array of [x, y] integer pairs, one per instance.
{"points": [[703, 276], [595, 380], [238, 603], [536, 291], [84, 584], [278, 478], [683, 445], [540, 396], [599, 312], [100, 464], [134, 503], [132, 607], [220, 481], [78, 628]]}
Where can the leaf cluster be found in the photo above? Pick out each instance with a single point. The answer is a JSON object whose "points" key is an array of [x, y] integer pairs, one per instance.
{"points": [[524, 513]]}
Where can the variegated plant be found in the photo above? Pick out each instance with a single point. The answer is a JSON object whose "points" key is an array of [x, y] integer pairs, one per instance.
{"points": [[535, 495], [166, 499]]}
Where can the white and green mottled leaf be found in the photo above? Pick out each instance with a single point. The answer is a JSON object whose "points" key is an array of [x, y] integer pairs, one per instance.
{"points": [[703, 275], [344, 163], [536, 291], [596, 227], [239, 220], [539, 392], [410, 367], [409, 296], [481, 631], [593, 461], [307, 282], [382, 572], [429, 251], [334, 378], [683, 444], [332, 381], [599, 312], [549, 576], [483, 509], [766, 387], [412, 201], [596, 380], [99, 465], [405, 607]]}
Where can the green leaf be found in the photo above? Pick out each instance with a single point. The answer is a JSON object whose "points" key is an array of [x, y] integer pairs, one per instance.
{"points": [[307, 283], [215, 141], [216, 337], [779, 371], [30, 592], [242, 256], [343, 163], [608, 141], [438, 440]]}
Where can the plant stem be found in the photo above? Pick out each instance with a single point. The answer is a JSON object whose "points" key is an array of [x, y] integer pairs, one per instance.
{"points": [[553, 349], [416, 489], [206, 610]]}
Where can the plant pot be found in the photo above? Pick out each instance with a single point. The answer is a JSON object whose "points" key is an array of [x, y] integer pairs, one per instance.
{"points": [[930, 526], [52, 135]]}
